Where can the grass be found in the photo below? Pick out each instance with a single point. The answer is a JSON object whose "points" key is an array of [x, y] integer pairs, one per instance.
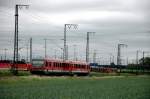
{"points": [[35, 87], [7, 73]]}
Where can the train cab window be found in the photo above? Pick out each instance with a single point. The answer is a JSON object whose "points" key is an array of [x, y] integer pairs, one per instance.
{"points": [[37, 63]]}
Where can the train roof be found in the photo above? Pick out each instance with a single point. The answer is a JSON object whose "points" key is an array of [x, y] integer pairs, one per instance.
{"points": [[61, 61]]}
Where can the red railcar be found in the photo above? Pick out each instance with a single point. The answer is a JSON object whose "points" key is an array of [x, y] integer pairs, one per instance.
{"points": [[21, 66], [5, 64], [60, 67]]}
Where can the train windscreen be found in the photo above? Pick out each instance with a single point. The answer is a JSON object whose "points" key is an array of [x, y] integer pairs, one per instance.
{"points": [[38, 63]]}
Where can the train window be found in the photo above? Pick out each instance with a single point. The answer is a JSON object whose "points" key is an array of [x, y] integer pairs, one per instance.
{"points": [[57, 64], [46, 63], [63, 64], [76, 65], [54, 64], [60, 64], [49, 63], [67, 65], [37, 63]]}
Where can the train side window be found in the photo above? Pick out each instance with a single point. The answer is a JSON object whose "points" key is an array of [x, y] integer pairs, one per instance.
{"points": [[54, 64], [67, 65], [46, 64], [60, 64], [49, 63], [76, 66], [57, 64]]}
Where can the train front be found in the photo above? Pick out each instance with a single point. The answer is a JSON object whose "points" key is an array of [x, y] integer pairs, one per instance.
{"points": [[37, 65]]}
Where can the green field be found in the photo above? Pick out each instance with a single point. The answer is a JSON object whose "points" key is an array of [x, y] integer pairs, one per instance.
{"points": [[109, 87]]}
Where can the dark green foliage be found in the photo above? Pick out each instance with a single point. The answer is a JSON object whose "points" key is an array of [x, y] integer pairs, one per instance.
{"points": [[145, 61]]}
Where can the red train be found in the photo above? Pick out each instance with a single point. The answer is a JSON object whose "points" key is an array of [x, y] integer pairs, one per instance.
{"points": [[5, 64], [21, 66], [49, 66], [60, 67]]}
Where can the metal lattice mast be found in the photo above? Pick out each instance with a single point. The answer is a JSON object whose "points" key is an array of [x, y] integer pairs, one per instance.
{"points": [[75, 53], [65, 52], [5, 51], [31, 50], [45, 48], [119, 53], [94, 56], [15, 58], [27, 52], [87, 46], [137, 57]]}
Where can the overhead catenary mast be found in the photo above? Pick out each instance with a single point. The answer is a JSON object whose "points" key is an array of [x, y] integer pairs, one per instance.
{"points": [[31, 50], [5, 51], [119, 53], [87, 46], [45, 48], [75, 53], [15, 58], [65, 52], [94, 56]]}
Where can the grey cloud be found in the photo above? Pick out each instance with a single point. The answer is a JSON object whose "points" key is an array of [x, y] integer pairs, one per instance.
{"points": [[132, 29]]}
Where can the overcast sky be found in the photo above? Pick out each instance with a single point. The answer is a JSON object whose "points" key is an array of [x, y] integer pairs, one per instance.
{"points": [[114, 21]]}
